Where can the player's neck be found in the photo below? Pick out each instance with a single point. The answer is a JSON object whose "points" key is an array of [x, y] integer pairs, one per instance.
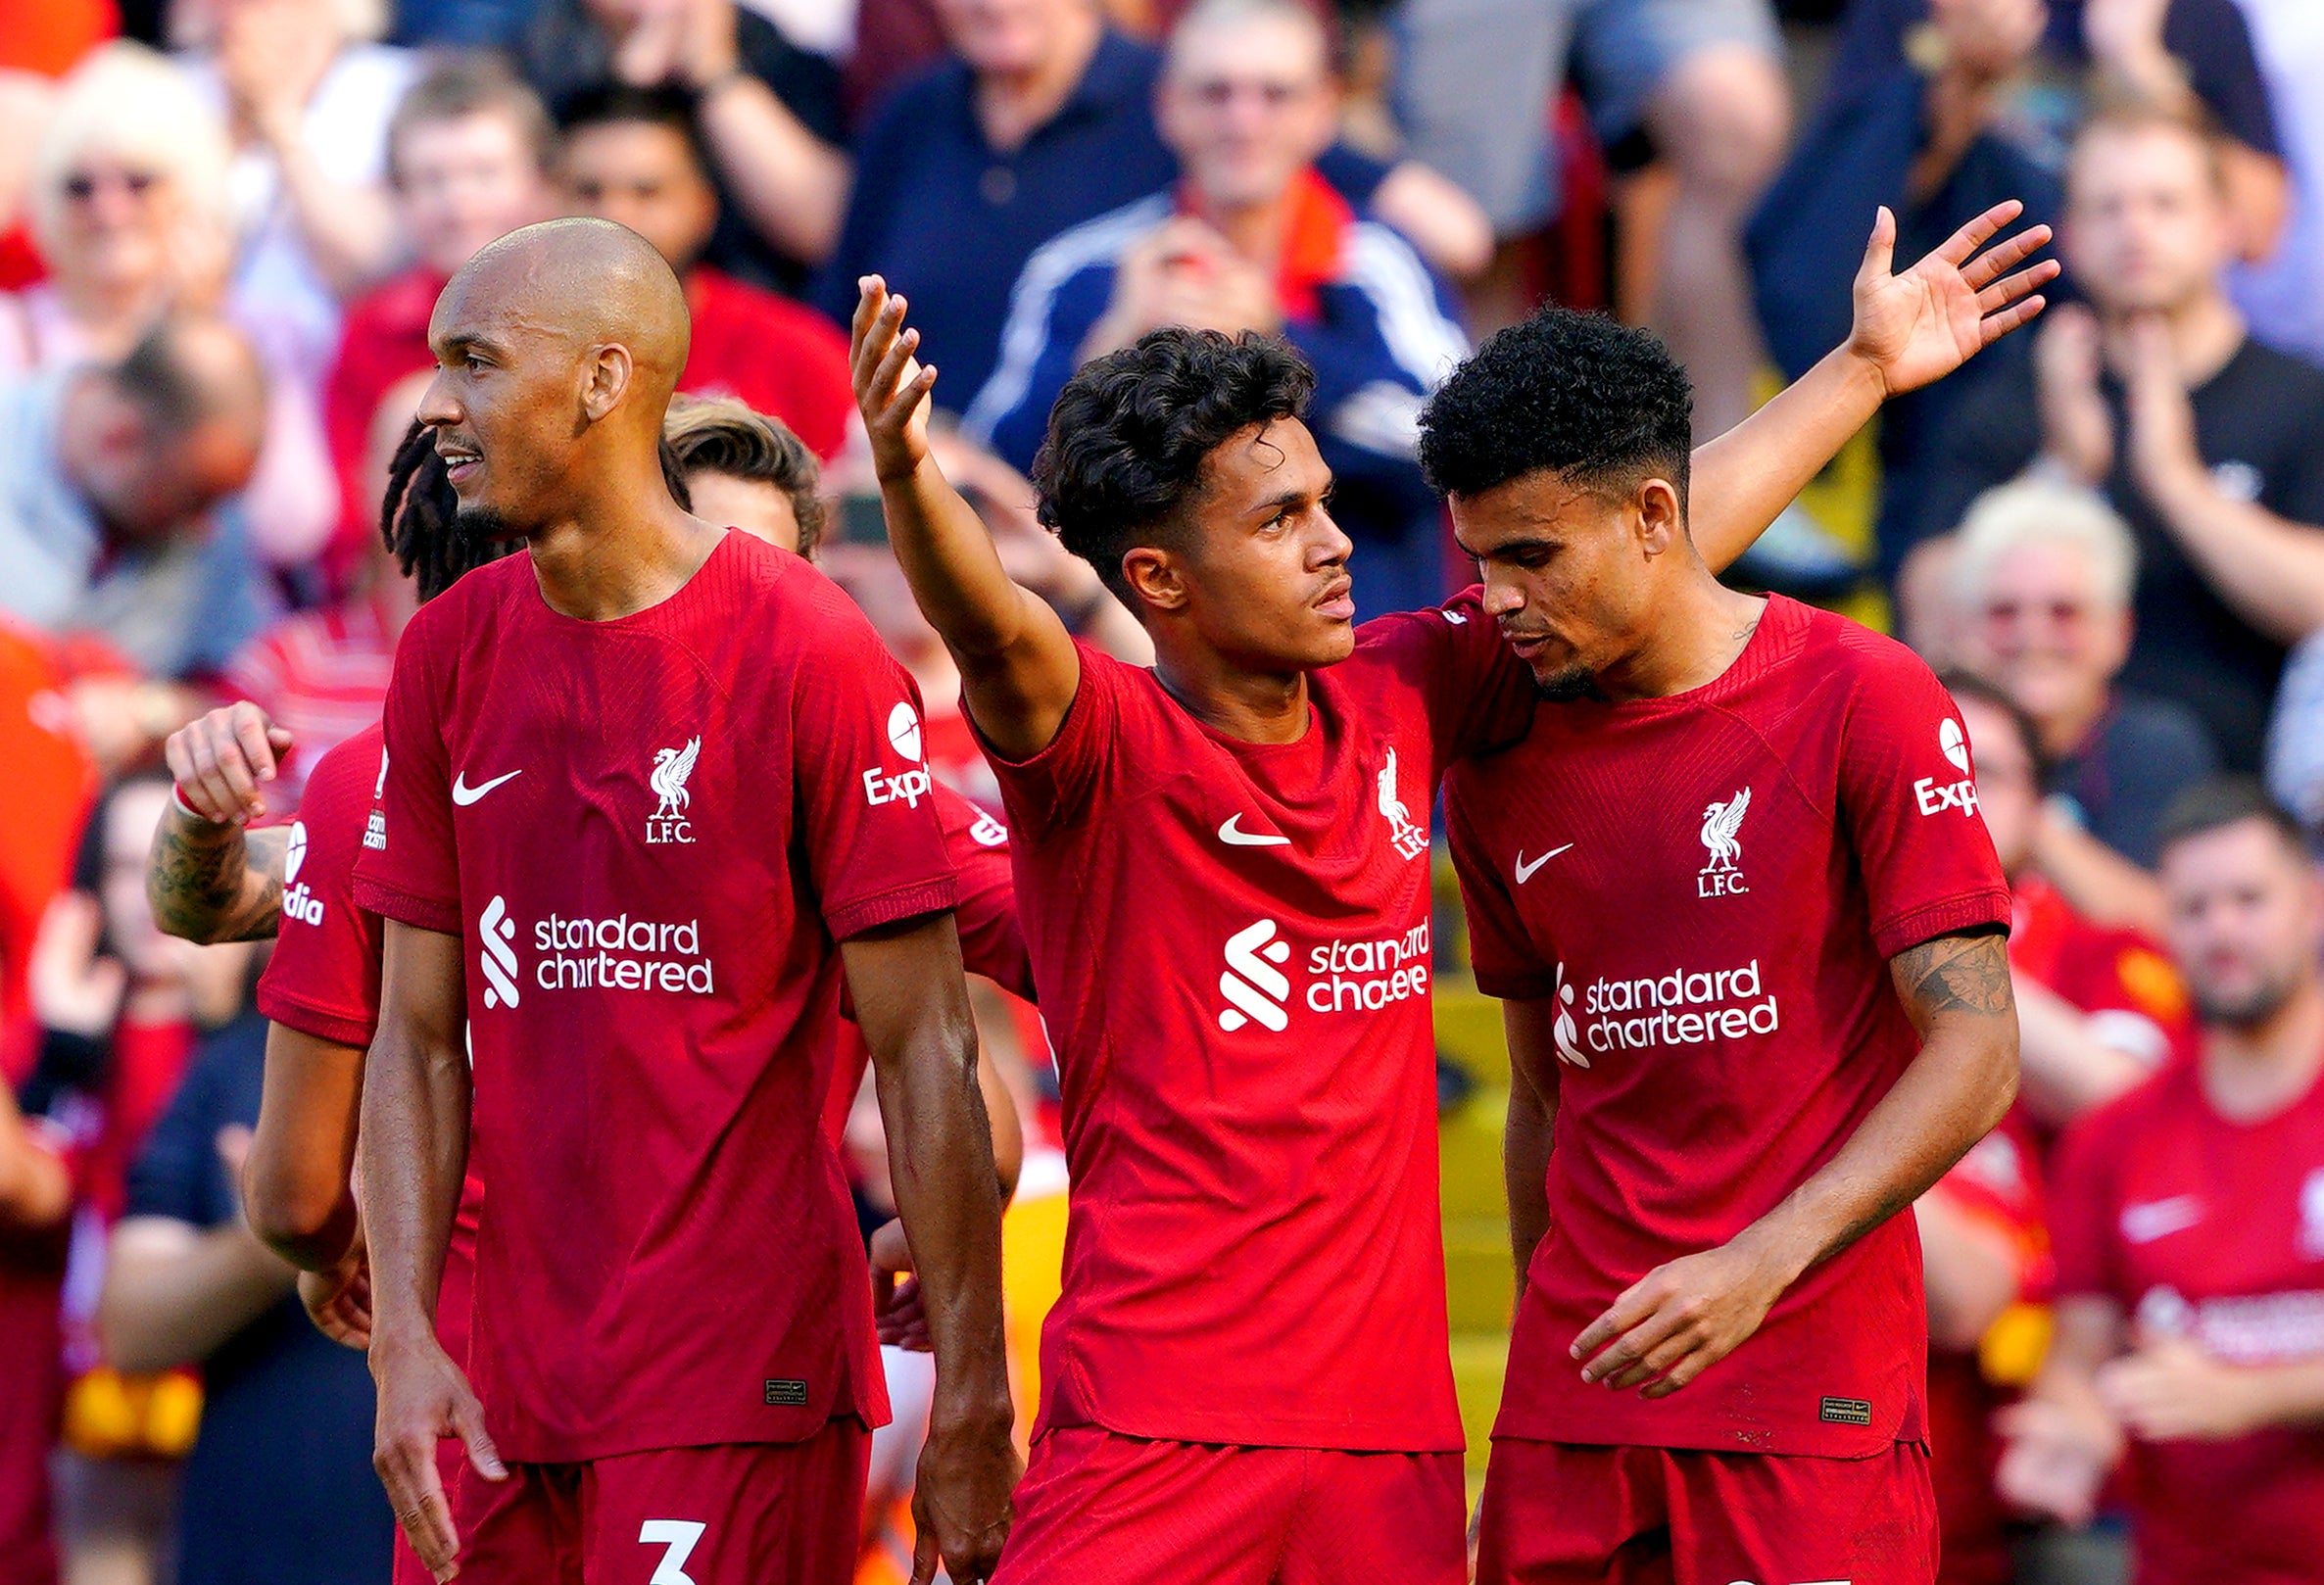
{"points": [[606, 562], [2251, 1074], [1700, 629], [1250, 707]]}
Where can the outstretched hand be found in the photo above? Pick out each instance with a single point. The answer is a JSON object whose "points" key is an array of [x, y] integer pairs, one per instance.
{"points": [[892, 386], [1921, 325]]}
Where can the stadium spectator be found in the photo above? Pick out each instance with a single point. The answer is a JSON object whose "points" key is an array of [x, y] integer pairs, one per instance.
{"points": [[1042, 119], [2189, 1229], [2098, 1008], [1700, 82], [2209, 445], [766, 114], [469, 153], [1252, 238], [128, 204], [278, 1485], [2041, 576], [747, 471], [1938, 108], [130, 207], [632, 155], [108, 480]]}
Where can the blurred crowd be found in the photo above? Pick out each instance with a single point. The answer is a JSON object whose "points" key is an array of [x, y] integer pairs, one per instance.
{"points": [[224, 224]]}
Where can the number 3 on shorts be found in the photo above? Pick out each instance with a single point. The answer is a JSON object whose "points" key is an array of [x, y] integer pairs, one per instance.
{"points": [[679, 1537]]}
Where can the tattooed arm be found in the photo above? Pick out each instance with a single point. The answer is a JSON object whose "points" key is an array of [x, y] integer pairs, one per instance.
{"points": [[1684, 1316], [215, 883]]}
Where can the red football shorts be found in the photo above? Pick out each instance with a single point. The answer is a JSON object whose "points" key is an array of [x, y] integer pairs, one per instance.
{"points": [[1561, 1514], [739, 1514], [1096, 1507]]}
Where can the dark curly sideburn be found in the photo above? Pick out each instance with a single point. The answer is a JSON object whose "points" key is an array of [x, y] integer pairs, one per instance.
{"points": [[417, 515], [1599, 403], [1129, 432]]}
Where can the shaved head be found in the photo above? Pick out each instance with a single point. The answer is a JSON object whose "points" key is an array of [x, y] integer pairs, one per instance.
{"points": [[556, 350]]}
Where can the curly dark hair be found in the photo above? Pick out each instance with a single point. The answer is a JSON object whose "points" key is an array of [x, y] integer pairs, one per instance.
{"points": [[419, 516], [1129, 432], [1602, 406]]}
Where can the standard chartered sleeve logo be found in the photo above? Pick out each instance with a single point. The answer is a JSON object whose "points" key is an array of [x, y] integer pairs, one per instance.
{"points": [[1251, 979], [498, 958]]}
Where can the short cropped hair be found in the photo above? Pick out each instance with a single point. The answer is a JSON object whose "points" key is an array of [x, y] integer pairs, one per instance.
{"points": [[2223, 802], [2038, 510], [1602, 406], [616, 104], [723, 435], [462, 84], [1128, 435], [1968, 686]]}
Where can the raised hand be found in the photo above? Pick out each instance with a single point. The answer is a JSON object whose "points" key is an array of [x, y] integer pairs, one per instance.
{"points": [[75, 989], [1921, 325], [892, 386], [2077, 431], [222, 760]]}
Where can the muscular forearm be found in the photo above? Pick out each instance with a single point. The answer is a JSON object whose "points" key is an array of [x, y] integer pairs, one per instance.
{"points": [[174, 1295], [296, 1187], [940, 1158], [790, 184], [2270, 572], [414, 1150], [1744, 478], [955, 573], [210, 882]]}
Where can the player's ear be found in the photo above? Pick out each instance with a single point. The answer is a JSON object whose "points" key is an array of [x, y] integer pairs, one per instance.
{"points": [[1662, 522], [1155, 577], [609, 374]]}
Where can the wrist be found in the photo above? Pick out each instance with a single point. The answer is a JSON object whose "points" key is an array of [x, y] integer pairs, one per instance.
{"points": [[1776, 1250], [1863, 379], [195, 827]]}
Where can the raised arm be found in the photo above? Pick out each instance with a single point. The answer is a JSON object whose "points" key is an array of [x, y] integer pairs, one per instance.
{"points": [[1018, 667], [1686, 1316], [414, 1150], [208, 879], [913, 1006], [1910, 330]]}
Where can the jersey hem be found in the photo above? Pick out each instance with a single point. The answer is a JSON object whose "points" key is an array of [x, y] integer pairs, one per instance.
{"points": [[935, 896], [390, 902], [1989, 905], [294, 1012]]}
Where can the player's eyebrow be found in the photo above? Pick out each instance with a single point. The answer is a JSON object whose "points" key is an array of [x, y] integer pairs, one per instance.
{"points": [[1284, 499], [1508, 546], [452, 343]]}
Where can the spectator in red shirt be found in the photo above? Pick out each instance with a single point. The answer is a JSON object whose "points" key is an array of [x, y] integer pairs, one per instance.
{"points": [[2188, 1219], [632, 155], [468, 155]]}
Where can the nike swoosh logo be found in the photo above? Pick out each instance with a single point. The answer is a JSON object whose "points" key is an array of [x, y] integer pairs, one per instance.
{"points": [[2159, 1218], [464, 795], [1233, 836], [1525, 871]]}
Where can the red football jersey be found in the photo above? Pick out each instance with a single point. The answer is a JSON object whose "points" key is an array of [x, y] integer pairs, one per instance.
{"points": [[650, 834], [324, 979], [2130, 989], [990, 943], [2209, 1229], [1709, 886], [1232, 942]]}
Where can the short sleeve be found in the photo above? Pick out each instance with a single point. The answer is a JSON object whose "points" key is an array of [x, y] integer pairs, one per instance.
{"points": [[866, 820], [323, 978], [1909, 802], [2082, 1209], [175, 1171], [1502, 952], [1056, 788], [411, 873]]}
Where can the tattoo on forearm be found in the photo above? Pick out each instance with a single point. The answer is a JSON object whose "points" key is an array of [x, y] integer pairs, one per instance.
{"points": [[1957, 973], [213, 890]]}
